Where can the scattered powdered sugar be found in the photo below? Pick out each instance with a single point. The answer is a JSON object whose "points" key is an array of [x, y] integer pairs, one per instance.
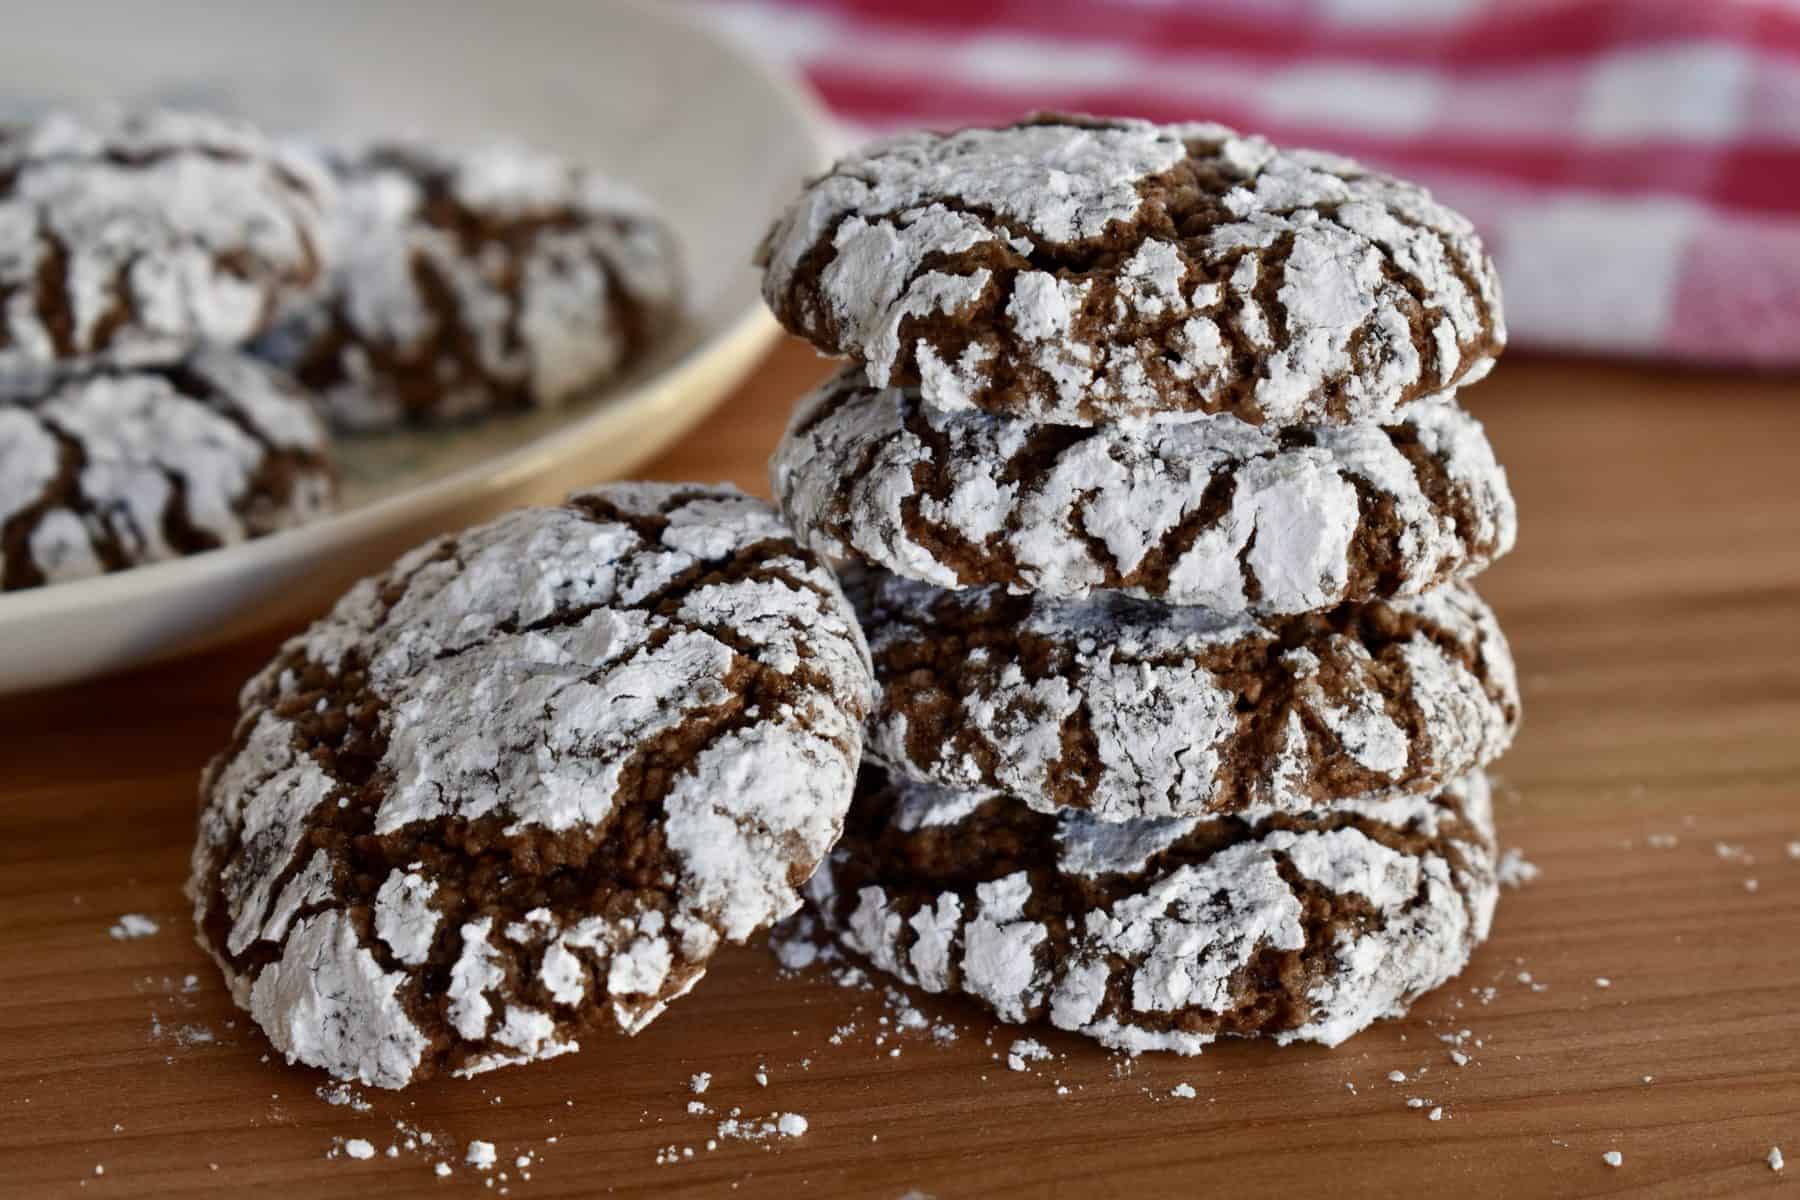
{"points": [[1613, 1158], [359, 1148], [481, 1155], [761, 1129], [131, 926], [342, 1095], [700, 1082], [1025, 1051], [1183, 1091], [1775, 1160], [1515, 871]]}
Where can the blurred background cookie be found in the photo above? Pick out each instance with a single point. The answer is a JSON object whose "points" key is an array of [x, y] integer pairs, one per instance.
{"points": [[132, 238], [471, 283], [115, 467]]}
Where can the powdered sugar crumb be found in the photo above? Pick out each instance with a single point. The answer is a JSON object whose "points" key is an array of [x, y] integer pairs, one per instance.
{"points": [[1514, 870], [131, 926]]}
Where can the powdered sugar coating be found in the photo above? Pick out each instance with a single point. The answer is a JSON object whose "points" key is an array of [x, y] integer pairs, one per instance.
{"points": [[116, 467], [572, 750], [1212, 512], [1127, 708], [1301, 927], [128, 239], [1077, 271], [468, 282]]}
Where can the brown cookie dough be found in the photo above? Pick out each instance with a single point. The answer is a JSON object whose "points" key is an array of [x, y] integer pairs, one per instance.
{"points": [[1129, 708], [116, 467], [1079, 271], [1166, 935], [1213, 512], [497, 280], [132, 239], [516, 790]]}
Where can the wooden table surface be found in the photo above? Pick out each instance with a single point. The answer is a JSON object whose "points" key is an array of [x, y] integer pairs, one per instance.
{"points": [[1654, 604]]}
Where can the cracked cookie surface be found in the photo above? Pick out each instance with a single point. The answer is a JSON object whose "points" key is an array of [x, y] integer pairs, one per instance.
{"points": [[516, 790], [469, 283], [115, 467], [1130, 708], [1166, 934], [132, 239], [1077, 271], [1212, 512]]}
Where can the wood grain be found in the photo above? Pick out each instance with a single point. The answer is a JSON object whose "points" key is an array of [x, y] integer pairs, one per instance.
{"points": [[1653, 603]]}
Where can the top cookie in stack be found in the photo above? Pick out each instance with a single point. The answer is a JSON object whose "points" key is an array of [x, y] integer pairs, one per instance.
{"points": [[1158, 511], [1079, 272]]}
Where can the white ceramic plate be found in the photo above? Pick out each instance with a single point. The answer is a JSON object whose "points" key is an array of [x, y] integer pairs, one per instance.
{"points": [[716, 138]]}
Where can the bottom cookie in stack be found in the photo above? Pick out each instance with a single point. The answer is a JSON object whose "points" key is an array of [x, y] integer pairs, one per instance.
{"points": [[1166, 934]]}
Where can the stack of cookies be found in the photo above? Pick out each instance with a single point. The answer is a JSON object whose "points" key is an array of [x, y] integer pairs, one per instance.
{"points": [[1150, 488]]}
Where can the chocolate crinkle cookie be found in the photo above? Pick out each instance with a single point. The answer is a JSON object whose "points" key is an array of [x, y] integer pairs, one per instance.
{"points": [[1078, 271], [1129, 708], [494, 280], [132, 239], [517, 789], [1167, 934], [1213, 512], [114, 467]]}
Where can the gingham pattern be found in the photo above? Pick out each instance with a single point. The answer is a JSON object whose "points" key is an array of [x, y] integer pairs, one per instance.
{"points": [[1633, 164]]}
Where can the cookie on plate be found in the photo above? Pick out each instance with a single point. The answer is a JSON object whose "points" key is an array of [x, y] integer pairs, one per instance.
{"points": [[1166, 935], [1213, 511], [1129, 708], [132, 239], [472, 283], [518, 788], [115, 467], [1077, 271]]}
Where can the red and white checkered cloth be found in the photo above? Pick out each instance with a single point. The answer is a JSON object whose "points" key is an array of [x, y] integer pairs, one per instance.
{"points": [[1633, 164]]}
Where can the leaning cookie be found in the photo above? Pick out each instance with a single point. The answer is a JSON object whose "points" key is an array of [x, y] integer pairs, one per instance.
{"points": [[1213, 512], [517, 789], [1129, 708], [132, 239], [468, 284], [1166, 935], [1078, 271], [112, 468]]}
